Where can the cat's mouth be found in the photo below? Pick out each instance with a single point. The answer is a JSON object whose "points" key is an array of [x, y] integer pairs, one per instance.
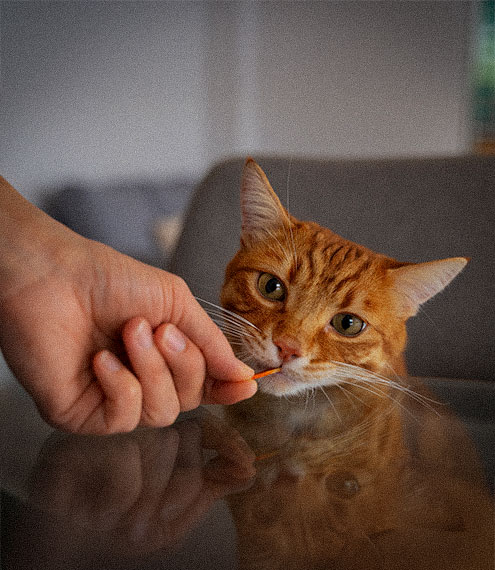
{"points": [[294, 380], [281, 383]]}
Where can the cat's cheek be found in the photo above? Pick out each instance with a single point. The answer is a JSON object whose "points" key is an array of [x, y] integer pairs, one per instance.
{"points": [[264, 353]]}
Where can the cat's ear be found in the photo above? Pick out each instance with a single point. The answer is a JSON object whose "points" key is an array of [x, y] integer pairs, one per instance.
{"points": [[415, 283], [262, 212]]}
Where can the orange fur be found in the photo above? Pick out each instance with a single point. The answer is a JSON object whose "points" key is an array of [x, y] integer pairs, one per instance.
{"points": [[345, 478]]}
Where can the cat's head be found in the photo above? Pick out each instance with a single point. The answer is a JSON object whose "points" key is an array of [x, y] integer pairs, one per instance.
{"points": [[319, 305]]}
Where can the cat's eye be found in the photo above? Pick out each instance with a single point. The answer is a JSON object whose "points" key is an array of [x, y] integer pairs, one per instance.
{"points": [[271, 287], [347, 324]]}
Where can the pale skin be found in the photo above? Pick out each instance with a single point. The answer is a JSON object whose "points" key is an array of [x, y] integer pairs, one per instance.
{"points": [[102, 342]]}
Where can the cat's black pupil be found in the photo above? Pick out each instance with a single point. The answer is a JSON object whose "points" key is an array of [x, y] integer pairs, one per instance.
{"points": [[347, 322], [272, 285]]}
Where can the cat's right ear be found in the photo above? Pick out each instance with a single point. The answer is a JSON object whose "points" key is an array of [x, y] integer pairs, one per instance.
{"points": [[262, 212]]}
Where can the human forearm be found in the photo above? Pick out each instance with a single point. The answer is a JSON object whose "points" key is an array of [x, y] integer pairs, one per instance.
{"points": [[30, 241]]}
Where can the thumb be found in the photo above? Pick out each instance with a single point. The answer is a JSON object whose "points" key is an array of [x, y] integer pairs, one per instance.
{"points": [[193, 321]]}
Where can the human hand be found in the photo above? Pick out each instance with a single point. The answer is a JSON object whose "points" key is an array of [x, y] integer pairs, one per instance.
{"points": [[102, 342]]}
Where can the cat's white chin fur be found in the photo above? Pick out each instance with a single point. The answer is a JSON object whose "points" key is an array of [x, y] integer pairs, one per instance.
{"points": [[281, 384]]}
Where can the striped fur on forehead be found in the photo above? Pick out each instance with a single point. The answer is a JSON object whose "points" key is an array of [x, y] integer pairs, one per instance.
{"points": [[337, 268]]}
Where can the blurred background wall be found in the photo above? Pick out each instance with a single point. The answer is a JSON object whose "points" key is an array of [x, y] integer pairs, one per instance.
{"points": [[100, 91]]}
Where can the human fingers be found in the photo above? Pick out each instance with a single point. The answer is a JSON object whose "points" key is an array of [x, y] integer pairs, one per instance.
{"points": [[220, 392], [114, 401], [185, 362], [160, 404], [188, 367], [192, 320]]}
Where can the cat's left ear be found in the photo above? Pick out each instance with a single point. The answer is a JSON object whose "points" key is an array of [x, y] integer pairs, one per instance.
{"points": [[262, 212], [416, 283]]}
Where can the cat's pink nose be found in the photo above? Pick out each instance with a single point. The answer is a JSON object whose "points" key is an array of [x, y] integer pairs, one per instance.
{"points": [[288, 348]]}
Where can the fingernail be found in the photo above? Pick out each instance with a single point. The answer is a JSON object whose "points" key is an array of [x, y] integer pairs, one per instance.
{"points": [[144, 335], [174, 339], [109, 361]]}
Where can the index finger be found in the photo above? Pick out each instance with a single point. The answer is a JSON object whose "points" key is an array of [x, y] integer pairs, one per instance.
{"points": [[194, 322], [226, 393]]}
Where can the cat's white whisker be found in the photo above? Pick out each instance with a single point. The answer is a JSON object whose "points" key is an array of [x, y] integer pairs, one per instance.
{"points": [[226, 327], [369, 382], [353, 375], [331, 403], [381, 394], [369, 377], [233, 334], [348, 395], [372, 390], [238, 324], [421, 398], [231, 313], [306, 400]]}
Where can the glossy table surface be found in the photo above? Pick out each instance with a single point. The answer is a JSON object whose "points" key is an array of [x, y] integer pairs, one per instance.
{"points": [[327, 481]]}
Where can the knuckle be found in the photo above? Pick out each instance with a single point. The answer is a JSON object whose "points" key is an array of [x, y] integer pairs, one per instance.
{"points": [[122, 419], [180, 283], [192, 403], [120, 425], [156, 370], [182, 300], [171, 417], [180, 289], [162, 418], [63, 420], [127, 425]]}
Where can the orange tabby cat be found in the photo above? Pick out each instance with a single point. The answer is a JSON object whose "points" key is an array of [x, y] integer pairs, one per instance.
{"points": [[321, 307], [355, 470]]}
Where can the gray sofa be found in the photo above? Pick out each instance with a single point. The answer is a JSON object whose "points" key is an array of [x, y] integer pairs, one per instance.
{"points": [[123, 214], [410, 209]]}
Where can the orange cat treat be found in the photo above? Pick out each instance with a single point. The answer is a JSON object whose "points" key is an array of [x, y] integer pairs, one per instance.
{"points": [[266, 373]]}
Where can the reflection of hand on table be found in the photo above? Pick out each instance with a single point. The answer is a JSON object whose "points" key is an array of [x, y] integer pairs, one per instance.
{"points": [[136, 493]]}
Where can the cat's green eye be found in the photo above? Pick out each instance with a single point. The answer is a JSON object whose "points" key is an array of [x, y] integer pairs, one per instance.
{"points": [[347, 324], [271, 287]]}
